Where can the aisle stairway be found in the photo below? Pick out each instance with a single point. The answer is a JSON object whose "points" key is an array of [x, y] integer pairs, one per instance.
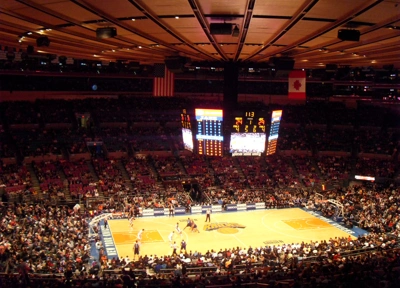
{"points": [[124, 174], [95, 177], [35, 181], [66, 191]]}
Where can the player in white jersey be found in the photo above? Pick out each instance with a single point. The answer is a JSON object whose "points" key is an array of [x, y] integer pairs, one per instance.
{"points": [[139, 235], [178, 229], [171, 237]]}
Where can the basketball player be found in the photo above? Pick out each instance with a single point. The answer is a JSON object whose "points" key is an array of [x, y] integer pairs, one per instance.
{"points": [[170, 237], [188, 224], [183, 245], [139, 236], [131, 222], [136, 250], [178, 230], [194, 227]]}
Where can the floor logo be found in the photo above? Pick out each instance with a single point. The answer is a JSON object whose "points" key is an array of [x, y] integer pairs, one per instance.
{"points": [[224, 227]]}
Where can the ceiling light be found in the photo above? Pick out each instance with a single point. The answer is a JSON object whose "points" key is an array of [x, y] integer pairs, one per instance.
{"points": [[176, 17], [373, 61], [133, 19], [48, 29], [41, 31], [140, 47], [29, 33], [113, 50]]}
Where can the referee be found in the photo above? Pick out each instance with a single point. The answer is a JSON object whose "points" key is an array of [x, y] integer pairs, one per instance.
{"points": [[208, 215]]}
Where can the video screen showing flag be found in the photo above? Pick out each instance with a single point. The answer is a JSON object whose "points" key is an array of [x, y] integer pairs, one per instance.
{"points": [[274, 132], [247, 144], [209, 131], [187, 137]]}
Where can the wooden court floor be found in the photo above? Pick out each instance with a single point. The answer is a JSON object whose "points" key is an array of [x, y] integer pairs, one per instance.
{"points": [[226, 230]]}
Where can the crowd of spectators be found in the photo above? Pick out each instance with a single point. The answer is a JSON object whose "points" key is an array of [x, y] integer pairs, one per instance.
{"points": [[81, 181], [293, 138], [51, 184], [15, 181], [333, 140], [334, 168], [227, 172], [254, 171], [376, 168], [306, 169], [27, 232], [40, 238], [275, 180], [376, 142]]}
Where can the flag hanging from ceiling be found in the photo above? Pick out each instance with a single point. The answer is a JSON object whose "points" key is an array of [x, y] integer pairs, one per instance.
{"points": [[163, 84], [297, 85]]}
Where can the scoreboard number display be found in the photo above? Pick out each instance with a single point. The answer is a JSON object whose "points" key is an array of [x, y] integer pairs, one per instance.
{"points": [[248, 135], [274, 132], [249, 123], [209, 132]]}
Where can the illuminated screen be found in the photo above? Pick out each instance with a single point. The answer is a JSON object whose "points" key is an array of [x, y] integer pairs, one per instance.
{"points": [[209, 131], [187, 137], [366, 178], [247, 144], [274, 131]]}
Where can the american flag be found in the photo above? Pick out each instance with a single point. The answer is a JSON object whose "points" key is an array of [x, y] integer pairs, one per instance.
{"points": [[163, 84]]}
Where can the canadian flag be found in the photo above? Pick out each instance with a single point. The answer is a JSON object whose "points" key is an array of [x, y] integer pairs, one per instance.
{"points": [[297, 85]]}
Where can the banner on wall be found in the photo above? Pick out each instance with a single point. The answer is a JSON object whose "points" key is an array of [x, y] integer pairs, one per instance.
{"points": [[297, 85], [163, 84]]}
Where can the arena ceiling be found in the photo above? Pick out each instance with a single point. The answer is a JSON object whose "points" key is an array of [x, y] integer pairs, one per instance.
{"points": [[148, 31]]}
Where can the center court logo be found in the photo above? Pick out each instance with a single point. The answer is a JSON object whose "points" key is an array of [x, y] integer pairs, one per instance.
{"points": [[223, 227]]}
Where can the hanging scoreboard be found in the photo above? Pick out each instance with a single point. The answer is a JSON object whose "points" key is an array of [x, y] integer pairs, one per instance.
{"points": [[249, 123], [248, 135], [209, 131], [187, 135], [274, 131]]}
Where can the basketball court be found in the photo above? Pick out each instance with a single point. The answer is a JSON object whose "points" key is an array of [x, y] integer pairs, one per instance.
{"points": [[226, 230]]}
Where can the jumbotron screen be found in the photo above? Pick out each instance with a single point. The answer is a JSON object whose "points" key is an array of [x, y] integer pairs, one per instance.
{"points": [[274, 131], [209, 131], [187, 137], [247, 144]]}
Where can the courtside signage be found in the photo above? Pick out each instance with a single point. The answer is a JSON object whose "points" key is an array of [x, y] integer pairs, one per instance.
{"points": [[108, 243]]}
